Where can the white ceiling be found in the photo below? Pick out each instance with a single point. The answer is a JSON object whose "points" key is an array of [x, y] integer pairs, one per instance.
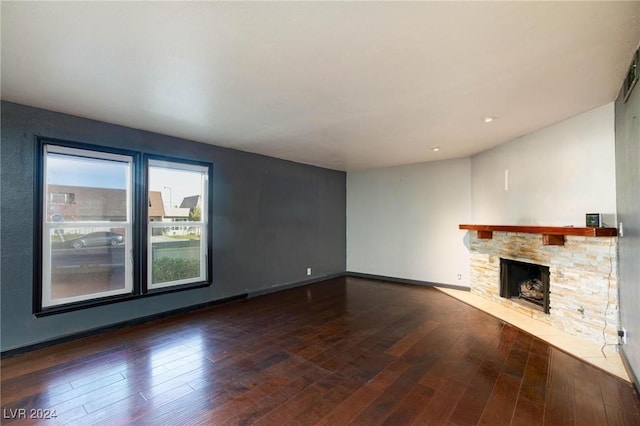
{"points": [[346, 86]]}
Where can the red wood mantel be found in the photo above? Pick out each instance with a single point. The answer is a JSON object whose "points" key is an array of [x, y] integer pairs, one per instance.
{"points": [[551, 235]]}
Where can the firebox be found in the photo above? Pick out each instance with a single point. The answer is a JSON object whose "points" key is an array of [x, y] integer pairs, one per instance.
{"points": [[526, 282]]}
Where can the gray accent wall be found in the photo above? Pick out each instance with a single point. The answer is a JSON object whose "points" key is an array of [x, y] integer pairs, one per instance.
{"points": [[628, 200], [272, 220]]}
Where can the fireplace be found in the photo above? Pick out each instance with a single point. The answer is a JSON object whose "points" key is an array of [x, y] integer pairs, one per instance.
{"points": [[526, 283], [582, 275]]}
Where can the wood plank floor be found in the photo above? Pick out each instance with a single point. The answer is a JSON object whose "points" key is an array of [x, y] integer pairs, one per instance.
{"points": [[345, 351]]}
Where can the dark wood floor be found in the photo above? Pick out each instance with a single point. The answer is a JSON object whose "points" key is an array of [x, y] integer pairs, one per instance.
{"points": [[346, 351]]}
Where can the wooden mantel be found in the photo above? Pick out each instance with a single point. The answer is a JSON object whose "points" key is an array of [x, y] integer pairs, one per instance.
{"points": [[551, 235]]}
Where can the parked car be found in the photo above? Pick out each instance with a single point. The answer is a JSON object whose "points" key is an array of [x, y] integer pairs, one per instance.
{"points": [[97, 239]]}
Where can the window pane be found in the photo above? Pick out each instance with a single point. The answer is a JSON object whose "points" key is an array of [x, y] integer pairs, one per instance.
{"points": [[175, 256], [177, 228], [86, 261], [83, 189], [87, 244], [175, 194]]}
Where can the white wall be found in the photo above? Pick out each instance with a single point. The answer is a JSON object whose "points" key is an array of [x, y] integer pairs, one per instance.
{"points": [[403, 221], [556, 175]]}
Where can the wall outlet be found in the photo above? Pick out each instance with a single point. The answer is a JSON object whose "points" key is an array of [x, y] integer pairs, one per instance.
{"points": [[623, 335], [459, 277], [308, 271], [621, 232]]}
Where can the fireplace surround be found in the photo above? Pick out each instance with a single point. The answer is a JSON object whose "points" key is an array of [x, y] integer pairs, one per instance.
{"points": [[583, 292]]}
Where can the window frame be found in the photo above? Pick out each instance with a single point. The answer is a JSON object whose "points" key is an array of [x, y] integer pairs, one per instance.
{"points": [[138, 227], [206, 244], [49, 226]]}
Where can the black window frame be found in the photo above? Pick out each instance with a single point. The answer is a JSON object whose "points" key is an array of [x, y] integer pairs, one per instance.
{"points": [[144, 228], [139, 193]]}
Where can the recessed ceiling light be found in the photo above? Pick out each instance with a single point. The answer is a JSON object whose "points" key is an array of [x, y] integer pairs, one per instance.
{"points": [[489, 119], [435, 149]]}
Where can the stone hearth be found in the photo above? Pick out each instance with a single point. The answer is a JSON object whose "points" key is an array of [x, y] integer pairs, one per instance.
{"points": [[583, 281]]}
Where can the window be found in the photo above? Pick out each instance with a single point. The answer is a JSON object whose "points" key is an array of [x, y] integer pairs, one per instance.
{"points": [[177, 223], [87, 219], [62, 197], [113, 227]]}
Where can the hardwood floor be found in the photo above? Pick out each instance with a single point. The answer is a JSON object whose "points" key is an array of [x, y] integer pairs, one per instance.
{"points": [[345, 351]]}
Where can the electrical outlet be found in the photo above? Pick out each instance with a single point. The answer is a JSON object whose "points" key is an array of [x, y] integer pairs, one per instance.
{"points": [[459, 277], [621, 232], [622, 334], [308, 271]]}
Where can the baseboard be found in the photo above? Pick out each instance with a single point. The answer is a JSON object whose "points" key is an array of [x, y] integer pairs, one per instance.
{"points": [[404, 281], [630, 372], [112, 327], [276, 288]]}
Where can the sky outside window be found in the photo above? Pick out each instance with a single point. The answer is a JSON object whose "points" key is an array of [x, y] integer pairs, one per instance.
{"points": [[86, 172]]}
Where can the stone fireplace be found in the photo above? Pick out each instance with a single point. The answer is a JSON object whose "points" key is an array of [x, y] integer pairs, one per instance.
{"points": [[582, 291]]}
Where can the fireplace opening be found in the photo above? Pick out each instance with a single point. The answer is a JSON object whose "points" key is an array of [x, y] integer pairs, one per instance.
{"points": [[525, 282]]}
